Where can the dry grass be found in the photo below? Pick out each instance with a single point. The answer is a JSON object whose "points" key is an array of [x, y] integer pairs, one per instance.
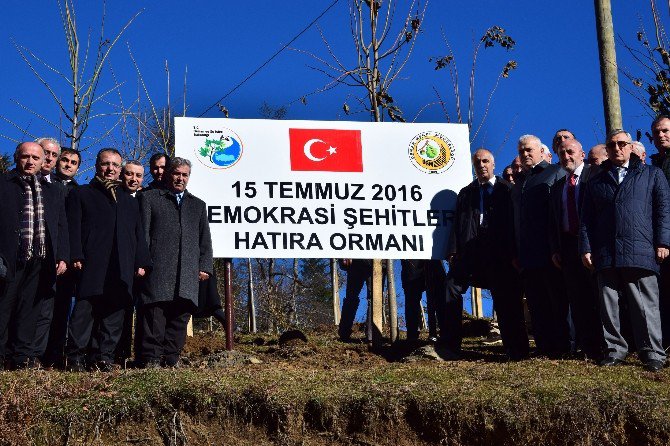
{"points": [[326, 392]]}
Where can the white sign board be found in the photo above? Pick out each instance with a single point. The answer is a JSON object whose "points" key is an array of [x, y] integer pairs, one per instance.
{"points": [[302, 189]]}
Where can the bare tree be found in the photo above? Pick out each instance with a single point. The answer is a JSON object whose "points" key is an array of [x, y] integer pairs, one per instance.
{"points": [[82, 80], [495, 36], [382, 51], [650, 76]]}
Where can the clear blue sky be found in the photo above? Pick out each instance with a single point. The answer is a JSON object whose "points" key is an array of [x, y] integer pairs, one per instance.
{"points": [[556, 85]]}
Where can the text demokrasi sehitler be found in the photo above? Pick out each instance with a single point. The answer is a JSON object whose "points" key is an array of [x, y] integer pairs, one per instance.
{"points": [[331, 214]]}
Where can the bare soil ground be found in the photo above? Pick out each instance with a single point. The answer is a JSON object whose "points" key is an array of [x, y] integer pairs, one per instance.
{"points": [[324, 392]]}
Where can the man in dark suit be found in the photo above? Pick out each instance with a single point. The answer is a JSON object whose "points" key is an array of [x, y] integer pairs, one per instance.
{"points": [[34, 249], [542, 282], [177, 230], [482, 250], [660, 131], [51, 329], [132, 175], [108, 248], [624, 237], [567, 197]]}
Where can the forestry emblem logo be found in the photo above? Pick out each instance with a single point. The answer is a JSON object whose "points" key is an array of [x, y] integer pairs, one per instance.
{"points": [[431, 152], [220, 150]]}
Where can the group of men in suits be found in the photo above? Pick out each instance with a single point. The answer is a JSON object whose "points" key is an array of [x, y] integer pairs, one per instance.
{"points": [[585, 242], [76, 259]]}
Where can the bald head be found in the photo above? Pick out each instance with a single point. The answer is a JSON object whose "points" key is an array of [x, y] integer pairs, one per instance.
{"points": [[597, 155], [29, 157], [484, 165], [570, 154]]}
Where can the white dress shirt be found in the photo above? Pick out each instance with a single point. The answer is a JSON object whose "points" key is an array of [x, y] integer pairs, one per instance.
{"points": [[578, 173]]}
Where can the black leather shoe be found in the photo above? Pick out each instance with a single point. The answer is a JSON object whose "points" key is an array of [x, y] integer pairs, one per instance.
{"points": [[151, 364], [653, 365], [104, 366], [75, 366], [610, 362]]}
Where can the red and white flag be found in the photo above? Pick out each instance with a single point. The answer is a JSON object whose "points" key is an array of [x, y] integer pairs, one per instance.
{"points": [[326, 150]]}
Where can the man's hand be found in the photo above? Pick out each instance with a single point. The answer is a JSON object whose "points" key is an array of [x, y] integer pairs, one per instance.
{"points": [[203, 276], [140, 272], [661, 254], [586, 260], [556, 258], [61, 267], [78, 265]]}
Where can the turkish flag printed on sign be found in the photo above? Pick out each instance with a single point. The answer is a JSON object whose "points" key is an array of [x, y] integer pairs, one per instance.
{"points": [[326, 150]]}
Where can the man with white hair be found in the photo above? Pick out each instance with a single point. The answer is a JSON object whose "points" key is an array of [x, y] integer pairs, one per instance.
{"points": [[52, 150], [624, 237], [546, 154], [542, 281], [177, 230], [638, 149]]}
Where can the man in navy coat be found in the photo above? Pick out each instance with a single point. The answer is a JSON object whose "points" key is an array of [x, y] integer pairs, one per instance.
{"points": [[108, 248], [34, 249], [624, 237]]}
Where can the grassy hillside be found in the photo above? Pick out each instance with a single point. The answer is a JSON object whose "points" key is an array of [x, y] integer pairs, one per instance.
{"points": [[326, 392]]}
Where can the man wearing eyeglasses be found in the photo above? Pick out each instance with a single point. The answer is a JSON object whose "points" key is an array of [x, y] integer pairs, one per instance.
{"points": [[660, 131], [108, 249], [624, 237]]}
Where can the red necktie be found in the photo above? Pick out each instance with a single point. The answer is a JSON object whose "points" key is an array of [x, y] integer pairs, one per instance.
{"points": [[573, 219]]}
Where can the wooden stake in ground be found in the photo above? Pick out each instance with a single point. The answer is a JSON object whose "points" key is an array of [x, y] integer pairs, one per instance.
{"points": [[377, 303], [393, 303], [476, 298], [228, 280], [608, 66], [251, 304], [336, 291], [189, 327]]}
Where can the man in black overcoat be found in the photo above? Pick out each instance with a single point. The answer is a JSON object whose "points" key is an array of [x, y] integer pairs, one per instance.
{"points": [[34, 249], [542, 281], [51, 329], [177, 230], [567, 196], [109, 249], [482, 250]]}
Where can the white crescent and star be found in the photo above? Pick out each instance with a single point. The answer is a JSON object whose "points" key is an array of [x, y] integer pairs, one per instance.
{"points": [[308, 150]]}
